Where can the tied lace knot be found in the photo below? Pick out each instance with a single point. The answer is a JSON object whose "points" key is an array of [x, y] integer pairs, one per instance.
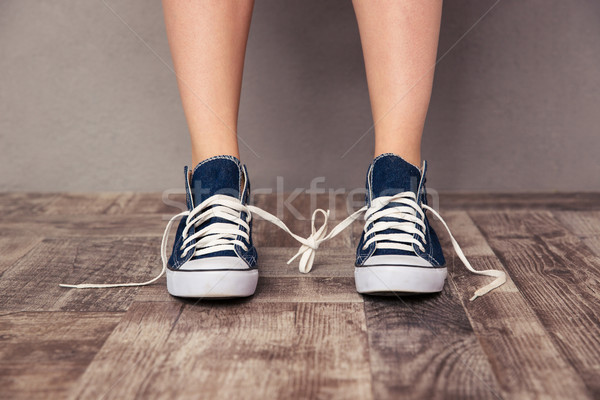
{"points": [[310, 245]]}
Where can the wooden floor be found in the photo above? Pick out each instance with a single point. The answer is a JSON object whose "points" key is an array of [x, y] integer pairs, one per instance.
{"points": [[299, 336]]}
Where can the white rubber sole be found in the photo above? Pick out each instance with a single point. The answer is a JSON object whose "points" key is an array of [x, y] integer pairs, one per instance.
{"points": [[394, 279], [212, 284]]}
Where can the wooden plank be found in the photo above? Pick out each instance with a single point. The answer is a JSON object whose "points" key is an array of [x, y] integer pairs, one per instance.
{"points": [[83, 203], [166, 203], [13, 248], [585, 225], [522, 354], [520, 201], [22, 204], [31, 284], [43, 354], [135, 347], [423, 347], [137, 225], [250, 350], [558, 275], [580, 223], [276, 351], [593, 243]]}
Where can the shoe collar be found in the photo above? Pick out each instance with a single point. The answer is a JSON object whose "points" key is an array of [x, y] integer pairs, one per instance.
{"points": [[212, 167], [414, 183]]}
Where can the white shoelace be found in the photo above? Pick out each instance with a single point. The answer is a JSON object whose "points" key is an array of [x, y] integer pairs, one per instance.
{"points": [[223, 236]]}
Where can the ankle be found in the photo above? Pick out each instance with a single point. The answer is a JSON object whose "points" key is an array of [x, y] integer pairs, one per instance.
{"points": [[198, 157], [407, 146], [409, 157]]}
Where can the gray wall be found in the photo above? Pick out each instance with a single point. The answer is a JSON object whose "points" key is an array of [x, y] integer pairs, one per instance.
{"points": [[86, 106]]}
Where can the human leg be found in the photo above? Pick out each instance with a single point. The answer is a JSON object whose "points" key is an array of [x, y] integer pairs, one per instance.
{"points": [[399, 40], [208, 44]]}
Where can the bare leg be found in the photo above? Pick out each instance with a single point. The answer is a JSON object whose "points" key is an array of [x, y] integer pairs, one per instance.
{"points": [[208, 44], [399, 39]]}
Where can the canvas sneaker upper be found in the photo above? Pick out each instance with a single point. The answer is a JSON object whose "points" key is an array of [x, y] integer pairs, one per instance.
{"points": [[219, 224], [395, 222]]}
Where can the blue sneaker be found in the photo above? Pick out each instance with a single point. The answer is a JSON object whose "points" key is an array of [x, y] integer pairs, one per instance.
{"points": [[398, 251], [213, 255]]}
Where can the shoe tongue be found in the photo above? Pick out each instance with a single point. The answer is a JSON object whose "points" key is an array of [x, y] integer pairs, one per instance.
{"points": [[216, 176], [392, 175]]}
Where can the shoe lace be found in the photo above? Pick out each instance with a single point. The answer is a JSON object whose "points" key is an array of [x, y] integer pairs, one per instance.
{"points": [[216, 236], [404, 220], [223, 236]]}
